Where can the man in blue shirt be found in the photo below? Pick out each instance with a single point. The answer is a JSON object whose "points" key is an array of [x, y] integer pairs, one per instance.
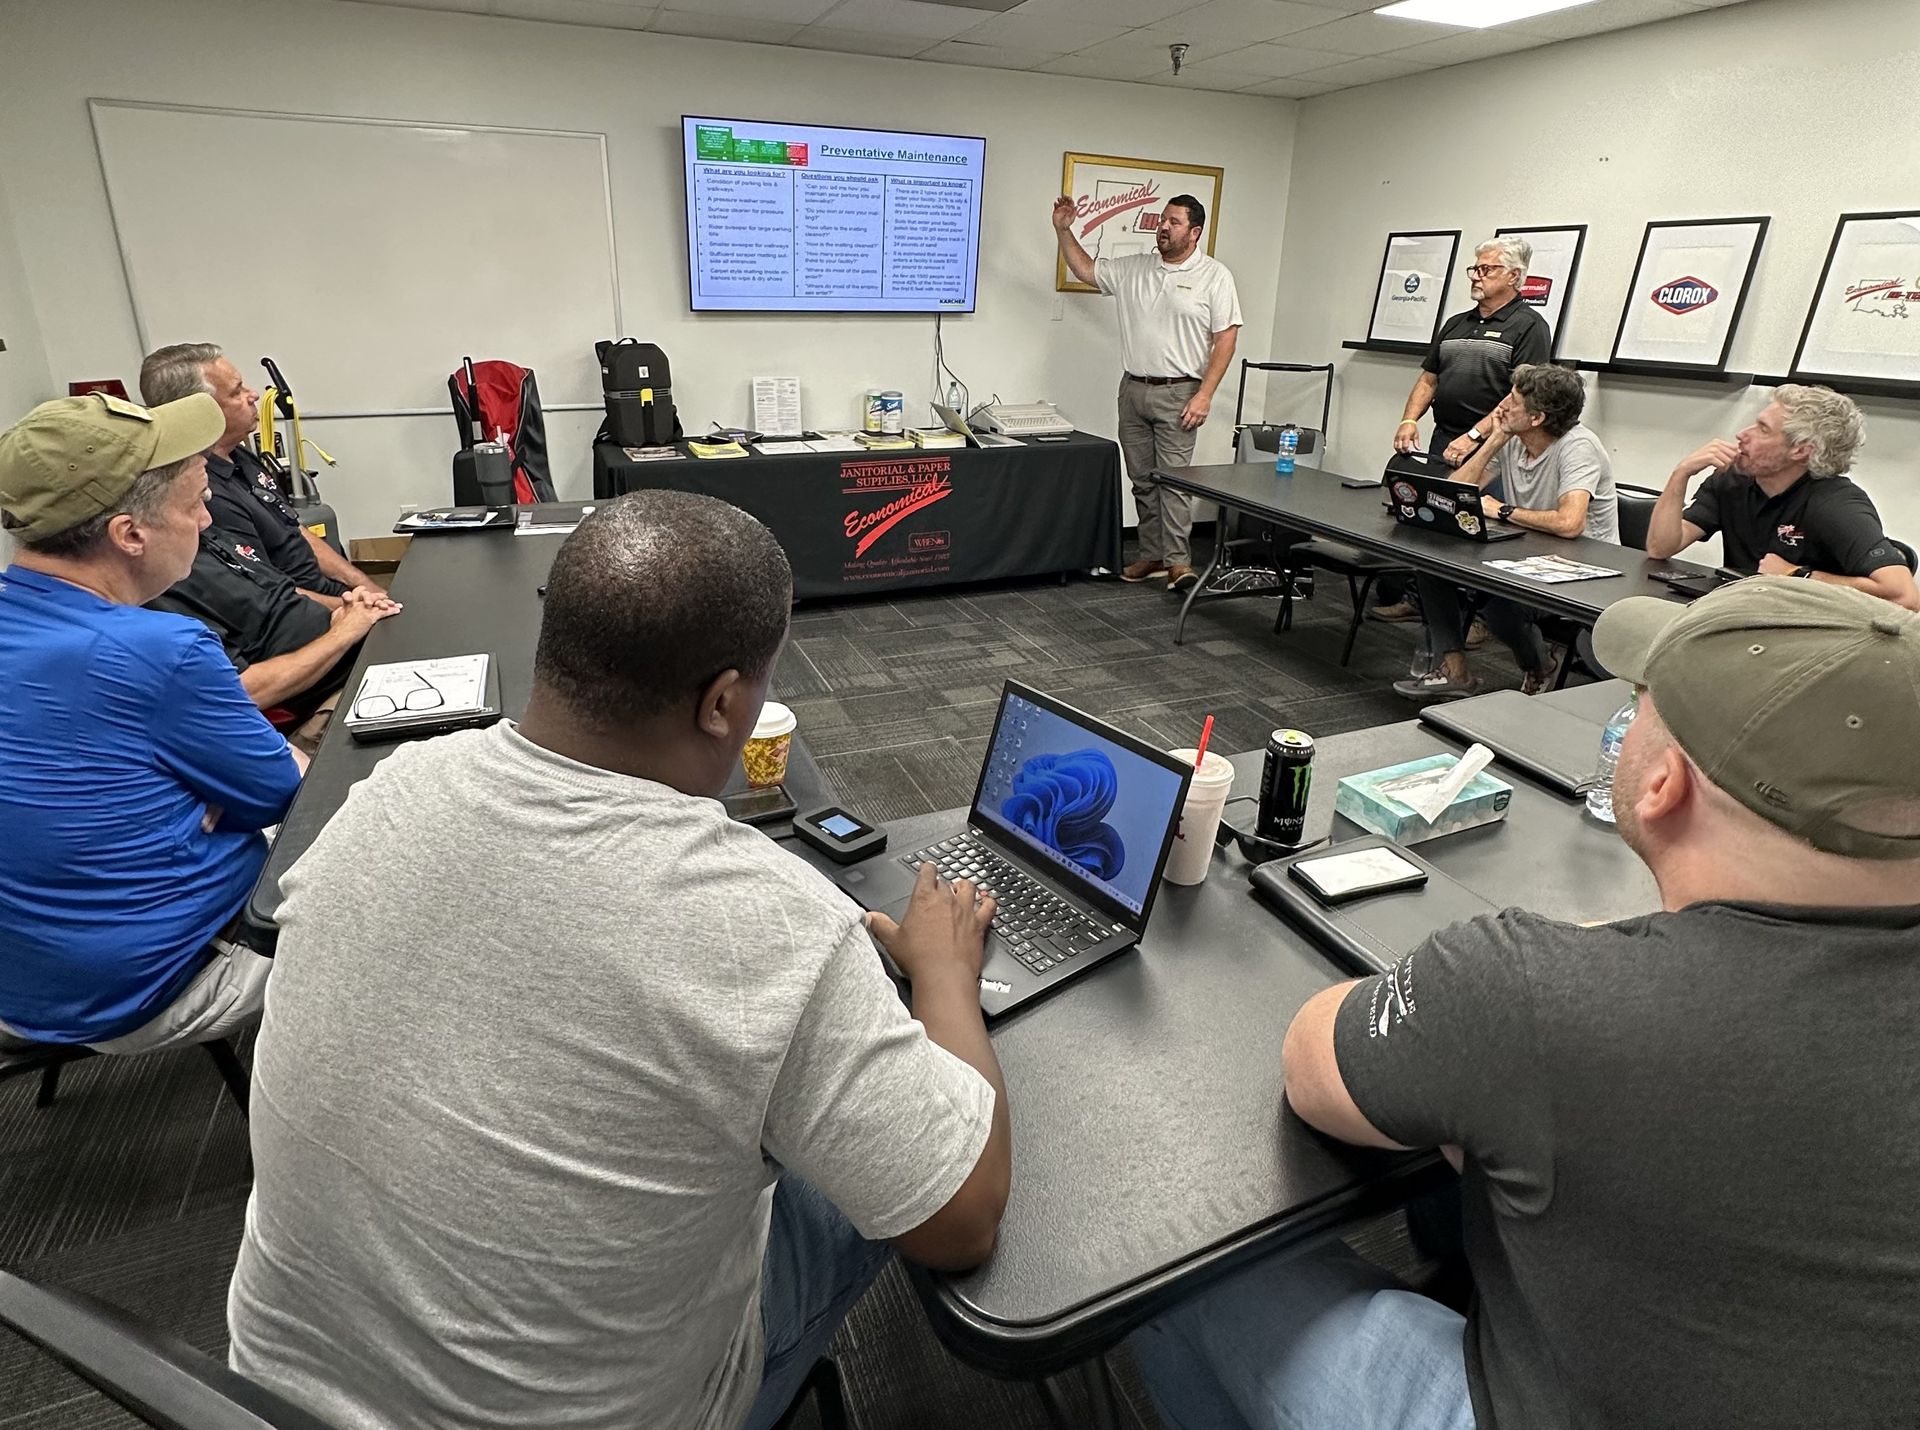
{"points": [[135, 774]]}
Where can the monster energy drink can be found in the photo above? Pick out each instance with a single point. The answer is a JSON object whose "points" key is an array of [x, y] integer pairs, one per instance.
{"points": [[1285, 780]]}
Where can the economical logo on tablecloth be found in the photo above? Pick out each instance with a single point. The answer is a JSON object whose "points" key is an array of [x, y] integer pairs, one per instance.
{"points": [[1684, 295], [1535, 290], [882, 496]]}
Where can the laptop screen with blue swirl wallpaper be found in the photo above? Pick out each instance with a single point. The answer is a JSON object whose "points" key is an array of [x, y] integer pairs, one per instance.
{"points": [[1076, 800]]}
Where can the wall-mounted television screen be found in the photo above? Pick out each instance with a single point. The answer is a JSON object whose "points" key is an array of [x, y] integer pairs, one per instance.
{"points": [[813, 218]]}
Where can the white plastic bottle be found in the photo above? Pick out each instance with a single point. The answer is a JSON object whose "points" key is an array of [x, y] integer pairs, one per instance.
{"points": [[1600, 796]]}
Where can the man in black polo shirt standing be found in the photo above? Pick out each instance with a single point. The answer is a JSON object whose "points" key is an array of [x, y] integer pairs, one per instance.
{"points": [[1778, 497], [241, 493], [1469, 371]]}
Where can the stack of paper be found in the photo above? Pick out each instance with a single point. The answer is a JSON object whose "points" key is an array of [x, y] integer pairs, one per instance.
{"points": [[715, 449]]}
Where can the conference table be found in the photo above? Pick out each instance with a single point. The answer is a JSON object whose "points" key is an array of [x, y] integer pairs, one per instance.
{"points": [[859, 522], [1313, 501], [1153, 1150], [465, 592]]}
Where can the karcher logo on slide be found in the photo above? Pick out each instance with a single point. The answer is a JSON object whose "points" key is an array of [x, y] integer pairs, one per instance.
{"points": [[1684, 295]]}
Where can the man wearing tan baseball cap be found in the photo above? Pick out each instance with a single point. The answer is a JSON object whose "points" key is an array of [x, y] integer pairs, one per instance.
{"points": [[135, 774], [1688, 1140]]}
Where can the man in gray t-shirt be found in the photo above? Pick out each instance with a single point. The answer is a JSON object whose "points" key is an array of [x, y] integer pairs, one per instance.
{"points": [[576, 1102], [1553, 476]]}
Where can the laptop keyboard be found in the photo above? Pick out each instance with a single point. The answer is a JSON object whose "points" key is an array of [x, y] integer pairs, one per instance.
{"points": [[1040, 928]]}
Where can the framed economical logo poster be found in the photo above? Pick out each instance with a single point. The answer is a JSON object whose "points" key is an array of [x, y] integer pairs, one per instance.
{"points": [[1117, 205], [1688, 288], [1864, 320], [1410, 296], [1556, 262]]}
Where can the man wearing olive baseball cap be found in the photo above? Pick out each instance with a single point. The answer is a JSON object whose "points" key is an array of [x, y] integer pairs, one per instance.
{"points": [[1689, 1141], [135, 774]]}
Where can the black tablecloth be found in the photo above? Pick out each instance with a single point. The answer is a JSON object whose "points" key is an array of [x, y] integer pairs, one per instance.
{"points": [[887, 521]]}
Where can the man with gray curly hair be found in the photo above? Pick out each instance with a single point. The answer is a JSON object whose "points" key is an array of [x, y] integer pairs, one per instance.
{"points": [[1779, 496]]}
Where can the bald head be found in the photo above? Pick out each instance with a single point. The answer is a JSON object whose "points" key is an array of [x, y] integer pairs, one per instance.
{"points": [[653, 596]]}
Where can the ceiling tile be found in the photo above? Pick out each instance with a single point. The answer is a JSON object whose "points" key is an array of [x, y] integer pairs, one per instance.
{"points": [[793, 12], [471, 7], [1289, 88], [1367, 71], [1092, 67], [1106, 12], [610, 13], [1244, 22], [1213, 75], [1346, 7], [1473, 45], [904, 17], [1276, 61], [1034, 32], [859, 42], [722, 27], [997, 57], [1371, 34], [1602, 15]]}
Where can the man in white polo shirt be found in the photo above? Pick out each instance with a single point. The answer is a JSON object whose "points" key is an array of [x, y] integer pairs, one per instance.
{"points": [[1179, 320]]}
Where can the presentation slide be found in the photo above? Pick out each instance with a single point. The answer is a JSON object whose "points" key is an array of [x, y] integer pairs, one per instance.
{"points": [[810, 218]]}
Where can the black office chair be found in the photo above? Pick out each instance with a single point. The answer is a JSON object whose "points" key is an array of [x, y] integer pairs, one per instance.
{"points": [[1635, 507], [48, 1059], [165, 1382]]}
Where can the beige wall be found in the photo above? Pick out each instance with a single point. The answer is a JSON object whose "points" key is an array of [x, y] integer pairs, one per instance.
{"points": [[1797, 110], [332, 58]]}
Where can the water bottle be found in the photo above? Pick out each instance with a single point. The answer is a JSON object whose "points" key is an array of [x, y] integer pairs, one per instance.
{"points": [[1600, 796], [1289, 446]]}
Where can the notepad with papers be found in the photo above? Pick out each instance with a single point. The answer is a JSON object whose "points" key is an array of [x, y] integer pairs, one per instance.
{"points": [[424, 697]]}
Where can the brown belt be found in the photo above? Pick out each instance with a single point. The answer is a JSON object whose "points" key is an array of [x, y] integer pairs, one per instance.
{"points": [[1159, 381]]}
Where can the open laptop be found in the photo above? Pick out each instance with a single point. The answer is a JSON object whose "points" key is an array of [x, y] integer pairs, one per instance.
{"points": [[1069, 830], [956, 423], [1439, 504]]}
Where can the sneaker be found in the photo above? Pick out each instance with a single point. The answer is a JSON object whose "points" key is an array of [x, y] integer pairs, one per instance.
{"points": [[1539, 682], [1143, 570], [1436, 685], [1398, 611], [1179, 578], [1476, 634]]}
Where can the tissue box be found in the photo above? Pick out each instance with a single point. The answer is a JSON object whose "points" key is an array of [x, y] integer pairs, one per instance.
{"points": [[1370, 800]]}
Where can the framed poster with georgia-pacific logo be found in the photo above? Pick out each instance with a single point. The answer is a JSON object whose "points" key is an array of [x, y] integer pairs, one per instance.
{"points": [[1864, 320], [1118, 204], [1410, 297], [1548, 286], [1689, 285]]}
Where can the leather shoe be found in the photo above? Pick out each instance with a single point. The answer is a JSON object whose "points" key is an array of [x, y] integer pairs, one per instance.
{"points": [[1398, 611], [1179, 578], [1477, 634], [1142, 570]]}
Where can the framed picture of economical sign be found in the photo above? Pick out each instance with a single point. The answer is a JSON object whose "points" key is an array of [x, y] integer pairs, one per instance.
{"points": [[1118, 204], [1409, 297], [1864, 321], [1689, 285], [1548, 285]]}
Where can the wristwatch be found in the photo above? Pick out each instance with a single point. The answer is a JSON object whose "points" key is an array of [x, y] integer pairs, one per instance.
{"points": [[1506, 510], [1473, 434], [1805, 573]]}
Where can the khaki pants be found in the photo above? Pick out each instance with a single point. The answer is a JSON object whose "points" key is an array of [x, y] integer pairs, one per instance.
{"points": [[1151, 436]]}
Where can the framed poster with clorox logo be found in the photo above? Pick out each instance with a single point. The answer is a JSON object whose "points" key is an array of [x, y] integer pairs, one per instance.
{"points": [[1864, 322], [1688, 288], [1410, 297]]}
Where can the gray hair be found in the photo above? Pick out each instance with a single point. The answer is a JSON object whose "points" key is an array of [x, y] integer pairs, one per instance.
{"points": [[142, 502], [1515, 252], [1832, 423], [176, 371]]}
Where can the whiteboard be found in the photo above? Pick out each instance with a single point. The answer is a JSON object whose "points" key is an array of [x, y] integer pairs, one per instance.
{"points": [[366, 256]]}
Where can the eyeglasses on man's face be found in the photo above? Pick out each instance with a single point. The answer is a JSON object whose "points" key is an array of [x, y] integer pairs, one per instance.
{"points": [[1485, 270]]}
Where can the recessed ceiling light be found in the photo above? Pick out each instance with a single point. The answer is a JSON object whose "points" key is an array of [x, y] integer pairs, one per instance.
{"points": [[1475, 14]]}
